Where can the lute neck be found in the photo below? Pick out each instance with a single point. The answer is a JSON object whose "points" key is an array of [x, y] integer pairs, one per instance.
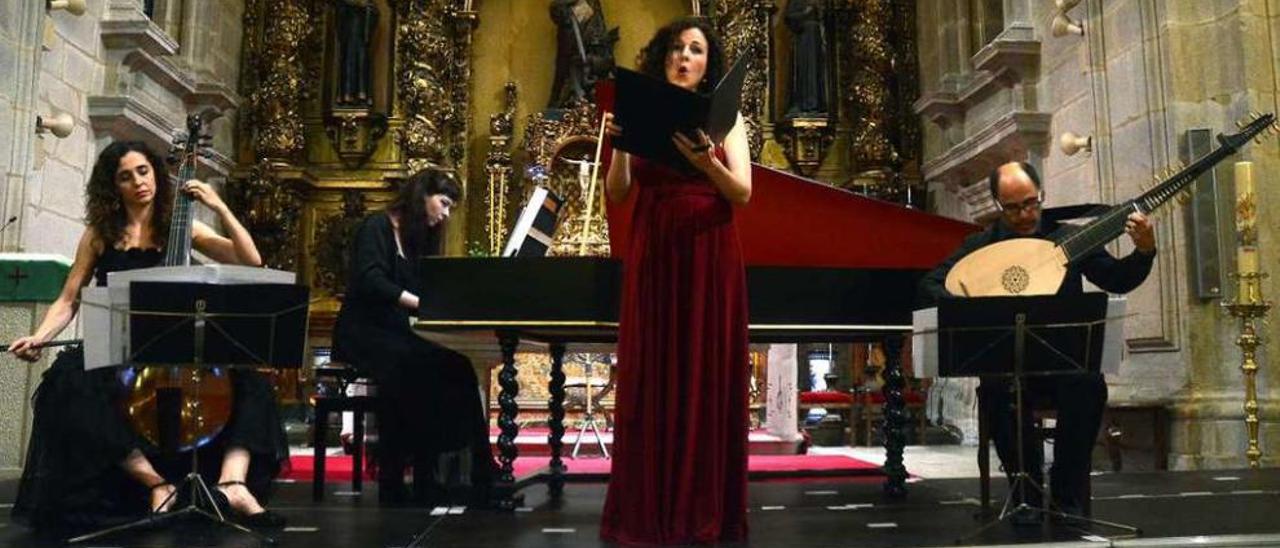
{"points": [[1110, 225]]}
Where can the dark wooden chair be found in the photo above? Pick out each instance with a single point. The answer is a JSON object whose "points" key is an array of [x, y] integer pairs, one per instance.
{"points": [[325, 405]]}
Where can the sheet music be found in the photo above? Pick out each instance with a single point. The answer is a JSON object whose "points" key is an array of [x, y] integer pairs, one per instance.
{"points": [[924, 343], [1113, 340]]}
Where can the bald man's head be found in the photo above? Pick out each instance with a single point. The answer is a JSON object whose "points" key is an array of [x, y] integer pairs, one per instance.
{"points": [[1016, 189]]}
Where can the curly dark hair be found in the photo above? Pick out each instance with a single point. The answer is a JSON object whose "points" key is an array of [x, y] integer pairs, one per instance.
{"points": [[104, 206], [419, 239], [653, 56]]}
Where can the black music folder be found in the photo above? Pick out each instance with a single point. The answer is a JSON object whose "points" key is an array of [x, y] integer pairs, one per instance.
{"points": [[254, 325], [650, 111], [1064, 335]]}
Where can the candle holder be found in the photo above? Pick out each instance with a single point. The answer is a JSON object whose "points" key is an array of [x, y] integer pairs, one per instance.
{"points": [[1249, 305], [1249, 341]]}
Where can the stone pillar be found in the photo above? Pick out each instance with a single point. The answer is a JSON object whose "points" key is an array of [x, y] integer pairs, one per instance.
{"points": [[780, 415], [20, 31]]}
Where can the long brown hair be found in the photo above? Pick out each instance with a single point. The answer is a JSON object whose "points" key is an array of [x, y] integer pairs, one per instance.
{"points": [[420, 240], [104, 206]]}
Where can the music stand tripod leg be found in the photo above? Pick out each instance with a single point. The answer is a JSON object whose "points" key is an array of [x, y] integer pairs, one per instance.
{"points": [[1021, 480], [199, 490], [588, 422], [197, 485]]}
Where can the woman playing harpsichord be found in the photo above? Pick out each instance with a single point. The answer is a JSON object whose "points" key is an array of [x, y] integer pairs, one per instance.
{"points": [[430, 396]]}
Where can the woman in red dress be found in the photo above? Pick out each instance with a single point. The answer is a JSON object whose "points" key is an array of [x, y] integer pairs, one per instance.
{"points": [[680, 460]]}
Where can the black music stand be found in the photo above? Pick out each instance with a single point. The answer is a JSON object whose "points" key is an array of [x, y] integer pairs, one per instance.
{"points": [[186, 324], [1020, 337]]}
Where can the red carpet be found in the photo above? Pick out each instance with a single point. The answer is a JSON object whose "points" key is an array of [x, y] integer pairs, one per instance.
{"points": [[338, 468]]}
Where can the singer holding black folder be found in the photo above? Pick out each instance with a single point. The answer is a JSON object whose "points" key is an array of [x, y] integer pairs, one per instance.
{"points": [[680, 461]]}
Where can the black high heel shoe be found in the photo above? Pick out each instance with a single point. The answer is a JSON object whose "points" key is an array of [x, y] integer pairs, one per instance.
{"points": [[265, 519]]}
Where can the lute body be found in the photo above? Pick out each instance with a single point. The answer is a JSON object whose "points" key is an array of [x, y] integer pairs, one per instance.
{"points": [[1022, 266]]}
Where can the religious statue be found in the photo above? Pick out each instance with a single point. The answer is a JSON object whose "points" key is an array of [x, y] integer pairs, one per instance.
{"points": [[806, 20], [355, 21], [584, 50]]}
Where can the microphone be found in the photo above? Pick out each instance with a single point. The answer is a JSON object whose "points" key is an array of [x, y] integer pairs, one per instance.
{"points": [[9, 222]]}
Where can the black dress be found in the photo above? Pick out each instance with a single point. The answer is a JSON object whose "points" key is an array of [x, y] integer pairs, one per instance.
{"points": [[72, 475], [430, 397]]}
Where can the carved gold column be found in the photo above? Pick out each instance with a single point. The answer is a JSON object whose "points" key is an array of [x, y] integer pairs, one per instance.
{"points": [[275, 95], [1249, 305], [866, 62], [464, 20], [745, 25], [434, 62], [498, 170], [275, 80], [905, 131]]}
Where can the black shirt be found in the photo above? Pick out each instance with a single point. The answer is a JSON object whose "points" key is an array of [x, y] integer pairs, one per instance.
{"points": [[376, 276]]}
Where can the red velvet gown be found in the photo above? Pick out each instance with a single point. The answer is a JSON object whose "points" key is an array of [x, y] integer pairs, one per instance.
{"points": [[680, 440]]}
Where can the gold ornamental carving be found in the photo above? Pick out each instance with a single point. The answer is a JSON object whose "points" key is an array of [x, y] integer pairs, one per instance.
{"points": [[557, 143], [355, 134], [867, 63], [270, 207], [744, 27], [433, 40], [333, 238], [877, 85], [805, 141], [275, 76]]}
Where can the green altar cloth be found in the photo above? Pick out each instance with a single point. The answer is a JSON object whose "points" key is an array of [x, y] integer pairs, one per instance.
{"points": [[32, 277]]}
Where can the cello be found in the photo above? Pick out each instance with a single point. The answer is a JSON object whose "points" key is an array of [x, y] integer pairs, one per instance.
{"points": [[179, 408]]}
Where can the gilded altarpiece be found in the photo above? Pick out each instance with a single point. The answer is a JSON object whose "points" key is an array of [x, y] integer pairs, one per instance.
{"points": [[346, 98]]}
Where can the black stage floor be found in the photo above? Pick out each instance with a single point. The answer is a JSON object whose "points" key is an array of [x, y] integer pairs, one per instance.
{"points": [[793, 513]]}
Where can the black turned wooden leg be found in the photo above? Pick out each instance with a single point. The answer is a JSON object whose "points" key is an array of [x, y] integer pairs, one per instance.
{"points": [[509, 389], [895, 419], [320, 432], [555, 421], [984, 460], [357, 450]]}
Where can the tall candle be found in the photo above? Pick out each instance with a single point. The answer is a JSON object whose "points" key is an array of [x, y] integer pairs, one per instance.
{"points": [[1247, 259], [1244, 179]]}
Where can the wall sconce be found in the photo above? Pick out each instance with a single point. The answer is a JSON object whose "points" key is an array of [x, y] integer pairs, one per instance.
{"points": [[1071, 143], [74, 7], [60, 125], [1063, 24]]}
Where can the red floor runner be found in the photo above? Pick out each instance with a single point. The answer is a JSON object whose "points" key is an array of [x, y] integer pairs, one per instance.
{"points": [[338, 468]]}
